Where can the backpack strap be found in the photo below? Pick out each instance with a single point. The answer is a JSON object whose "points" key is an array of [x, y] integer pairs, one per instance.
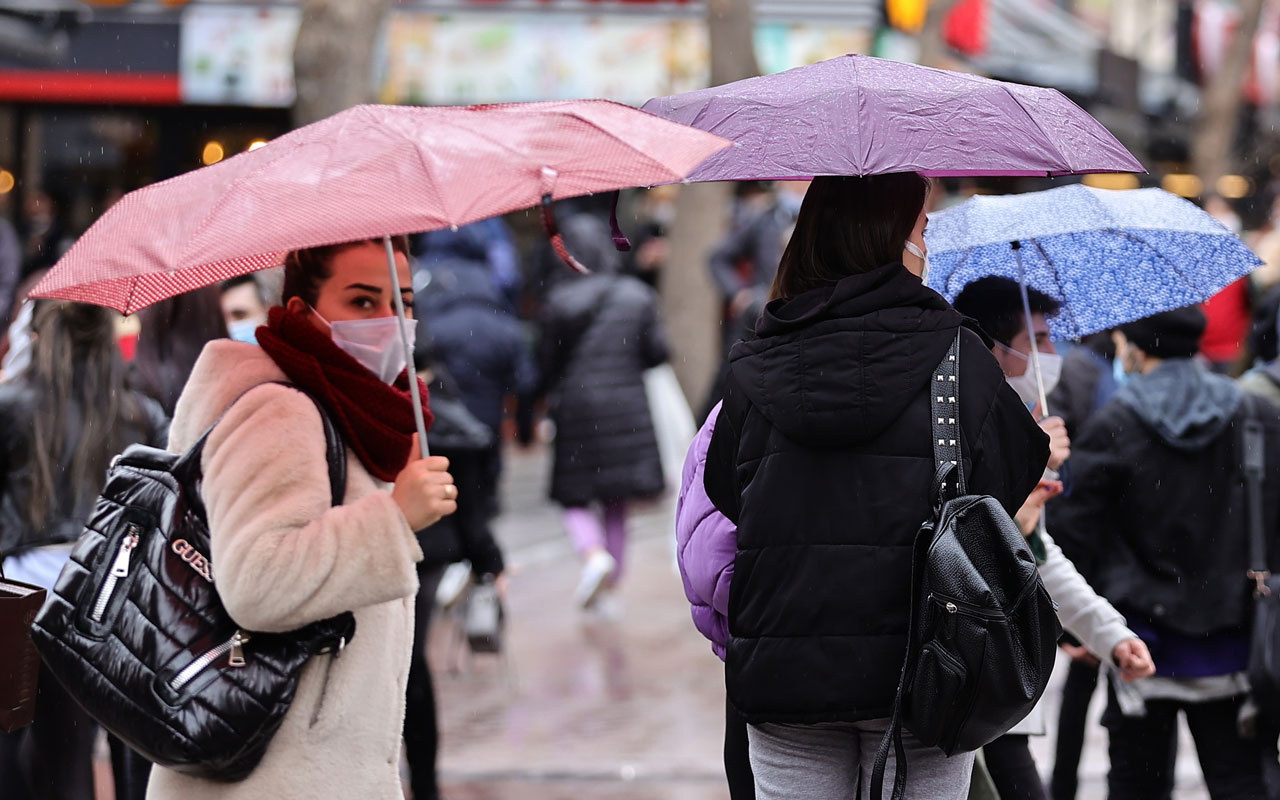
{"points": [[1253, 462], [944, 403], [335, 449], [948, 483]]}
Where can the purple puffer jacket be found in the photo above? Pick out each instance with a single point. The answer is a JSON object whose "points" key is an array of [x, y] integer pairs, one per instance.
{"points": [[706, 543]]}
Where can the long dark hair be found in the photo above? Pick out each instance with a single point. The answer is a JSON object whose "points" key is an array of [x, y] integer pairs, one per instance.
{"points": [[849, 225], [76, 368], [174, 331]]}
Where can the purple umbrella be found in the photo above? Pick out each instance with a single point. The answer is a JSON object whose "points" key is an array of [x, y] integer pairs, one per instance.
{"points": [[858, 115]]}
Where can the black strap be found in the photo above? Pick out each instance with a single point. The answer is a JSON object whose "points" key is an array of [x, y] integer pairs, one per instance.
{"points": [[948, 483], [944, 402], [1253, 456], [334, 447]]}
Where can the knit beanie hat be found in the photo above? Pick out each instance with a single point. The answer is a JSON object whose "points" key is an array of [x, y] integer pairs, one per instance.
{"points": [[1171, 334]]}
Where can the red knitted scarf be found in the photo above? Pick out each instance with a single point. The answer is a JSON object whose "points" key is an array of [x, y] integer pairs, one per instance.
{"points": [[376, 419]]}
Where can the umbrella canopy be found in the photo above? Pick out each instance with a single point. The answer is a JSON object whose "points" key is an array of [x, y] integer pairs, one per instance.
{"points": [[366, 172], [858, 115], [1108, 256]]}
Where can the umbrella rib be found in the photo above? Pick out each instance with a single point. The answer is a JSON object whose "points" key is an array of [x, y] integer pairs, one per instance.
{"points": [[1065, 161], [1176, 271], [1062, 290]]}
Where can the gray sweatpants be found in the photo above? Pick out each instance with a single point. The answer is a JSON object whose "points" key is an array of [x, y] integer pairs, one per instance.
{"points": [[827, 760]]}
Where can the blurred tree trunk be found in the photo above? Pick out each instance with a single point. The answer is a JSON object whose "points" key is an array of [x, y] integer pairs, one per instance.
{"points": [[690, 302], [333, 56], [1221, 101], [933, 47]]}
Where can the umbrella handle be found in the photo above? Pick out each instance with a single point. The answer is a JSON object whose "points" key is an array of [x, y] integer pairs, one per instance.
{"points": [[1031, 334], [418, 419]]}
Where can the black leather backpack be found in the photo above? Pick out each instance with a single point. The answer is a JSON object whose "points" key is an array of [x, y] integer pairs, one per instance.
{"points": [[135, 631], [983, 632]]}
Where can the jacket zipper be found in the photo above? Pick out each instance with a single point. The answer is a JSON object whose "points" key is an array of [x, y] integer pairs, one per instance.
{"points": [[119, 569], [234, 646]]}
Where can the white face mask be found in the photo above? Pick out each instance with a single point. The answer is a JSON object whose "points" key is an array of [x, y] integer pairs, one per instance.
{"points": [[1025, 384], [244, 330], [914, 249], [375, 343]]}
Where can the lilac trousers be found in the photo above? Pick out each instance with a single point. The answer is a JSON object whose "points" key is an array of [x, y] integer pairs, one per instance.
{"points": [[591, 531]]}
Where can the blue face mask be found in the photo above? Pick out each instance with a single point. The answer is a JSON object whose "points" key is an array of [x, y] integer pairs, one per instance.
{"points": [[244, 330], [1117, 372]]}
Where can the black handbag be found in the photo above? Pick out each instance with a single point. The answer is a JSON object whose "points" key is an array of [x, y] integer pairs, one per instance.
{"points": [[1264, 645], [136, 633], [983, 632]]}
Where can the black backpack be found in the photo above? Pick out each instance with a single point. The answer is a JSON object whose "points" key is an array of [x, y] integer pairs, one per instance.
{"points": [[135, 631], [983, 634]]}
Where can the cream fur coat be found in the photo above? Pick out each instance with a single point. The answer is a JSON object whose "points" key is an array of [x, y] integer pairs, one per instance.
{"points": [[283, 558]]}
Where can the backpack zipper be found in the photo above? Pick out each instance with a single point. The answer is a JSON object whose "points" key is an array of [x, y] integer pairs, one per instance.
{"points": [[954, 606], [234, 646], [119, 569]]}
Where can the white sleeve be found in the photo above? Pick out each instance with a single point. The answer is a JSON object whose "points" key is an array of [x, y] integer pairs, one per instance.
{"points": [[1082, 612]]}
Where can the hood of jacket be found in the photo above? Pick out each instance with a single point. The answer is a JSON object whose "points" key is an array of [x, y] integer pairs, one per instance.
{"points": [[839, 364], [1182, 402]]}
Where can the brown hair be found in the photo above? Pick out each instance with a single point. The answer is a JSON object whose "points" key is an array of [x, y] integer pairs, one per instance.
{"points": [[849, 225], [76, 370], [305, 270]]}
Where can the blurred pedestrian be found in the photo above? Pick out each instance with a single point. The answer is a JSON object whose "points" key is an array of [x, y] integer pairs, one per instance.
{"points": [[1157, 499], [599, 333], [821, 459], [466, 325], [244, 303], [1097, 628], [1264, 379], [489, 242], [174, 331], [10, 264], [285, 556], [463, 536], [42, 231], [65, 416]]}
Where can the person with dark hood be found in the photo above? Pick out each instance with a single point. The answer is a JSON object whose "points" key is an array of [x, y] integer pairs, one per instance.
{"points": [[1159, 496], [467, 324], [600, 332], [822, 457]]}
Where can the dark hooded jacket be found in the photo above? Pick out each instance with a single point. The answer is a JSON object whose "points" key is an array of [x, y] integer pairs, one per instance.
{"points": [[823, 457], [1159, 502], [600, 332]]}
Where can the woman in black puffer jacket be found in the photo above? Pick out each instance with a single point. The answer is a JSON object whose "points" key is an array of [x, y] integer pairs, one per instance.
{"points": [[600, 332], [822, 456]]}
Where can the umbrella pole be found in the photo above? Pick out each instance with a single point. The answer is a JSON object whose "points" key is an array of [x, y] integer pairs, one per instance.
{"points": [[408, 349], [1026, 310]]}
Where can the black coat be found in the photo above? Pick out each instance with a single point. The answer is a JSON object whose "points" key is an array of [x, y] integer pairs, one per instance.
{"points": [[464, 319], [1157, 503], [71, 507], [600, 333], [466, 534], [823, 457]]}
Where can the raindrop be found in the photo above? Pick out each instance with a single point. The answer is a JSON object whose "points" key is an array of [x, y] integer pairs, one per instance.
{"points": [[453, 228]]}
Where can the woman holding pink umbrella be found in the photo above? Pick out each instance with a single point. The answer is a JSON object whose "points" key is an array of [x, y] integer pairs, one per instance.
{"points": [[285, 557]]}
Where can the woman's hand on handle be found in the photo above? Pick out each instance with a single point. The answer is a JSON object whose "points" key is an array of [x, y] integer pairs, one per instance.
{"points": [[424, 489]]}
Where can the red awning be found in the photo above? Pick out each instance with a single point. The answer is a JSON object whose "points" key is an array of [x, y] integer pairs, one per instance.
{"points": [[47, 86]]}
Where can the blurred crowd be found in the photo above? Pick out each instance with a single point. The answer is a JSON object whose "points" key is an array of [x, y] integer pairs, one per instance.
{"points": [[518, 348]]}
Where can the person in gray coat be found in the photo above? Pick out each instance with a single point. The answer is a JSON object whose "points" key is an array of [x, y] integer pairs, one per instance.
{"points": [[600, 332]]}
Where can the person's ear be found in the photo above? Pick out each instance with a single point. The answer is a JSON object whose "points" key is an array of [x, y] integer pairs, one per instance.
{"points": [[296, 305]]}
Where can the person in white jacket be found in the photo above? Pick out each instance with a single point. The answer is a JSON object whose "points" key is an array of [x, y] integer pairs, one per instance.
{"points": [[996, 303]]}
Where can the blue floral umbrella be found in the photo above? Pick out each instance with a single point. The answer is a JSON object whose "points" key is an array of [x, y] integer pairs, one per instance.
{"points": [[1108, 256]]}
